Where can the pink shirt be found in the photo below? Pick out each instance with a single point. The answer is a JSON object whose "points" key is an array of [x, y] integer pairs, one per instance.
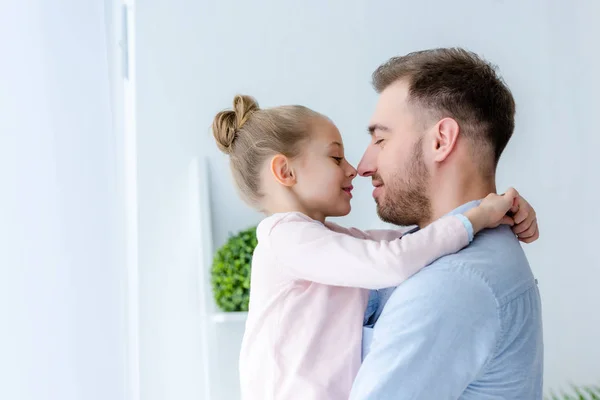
{"points": [[308, 296]]}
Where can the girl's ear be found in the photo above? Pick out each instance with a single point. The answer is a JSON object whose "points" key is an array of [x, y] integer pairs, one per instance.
{"points": [[282, 171]]}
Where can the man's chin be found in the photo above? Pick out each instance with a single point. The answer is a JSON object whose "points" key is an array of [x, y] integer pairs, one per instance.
{"points": [[392, 215], [384, 214]]}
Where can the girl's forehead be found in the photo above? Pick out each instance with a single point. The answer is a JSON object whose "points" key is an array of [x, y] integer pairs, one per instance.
{"points": [[327, 133]]}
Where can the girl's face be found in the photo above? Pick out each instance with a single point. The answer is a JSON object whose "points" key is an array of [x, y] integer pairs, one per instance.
{"points": [[323, 176]]}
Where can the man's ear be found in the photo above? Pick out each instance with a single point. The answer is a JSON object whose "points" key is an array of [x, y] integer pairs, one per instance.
{"points": [[445, 138], [282, 170]]}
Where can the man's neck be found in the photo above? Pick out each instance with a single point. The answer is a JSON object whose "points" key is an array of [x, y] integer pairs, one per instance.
{"points": [[450, 195]]}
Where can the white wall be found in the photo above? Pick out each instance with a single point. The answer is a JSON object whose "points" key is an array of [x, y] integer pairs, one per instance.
{"points": [[61, 265], [170, 331], [192, 57], [555, 159]]}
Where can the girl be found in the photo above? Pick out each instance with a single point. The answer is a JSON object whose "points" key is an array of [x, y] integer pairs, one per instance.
{"points": [[309, 282]]}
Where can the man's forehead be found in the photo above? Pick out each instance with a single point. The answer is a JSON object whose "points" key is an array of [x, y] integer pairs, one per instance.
{"points": [[391, 105], [394, 96]]}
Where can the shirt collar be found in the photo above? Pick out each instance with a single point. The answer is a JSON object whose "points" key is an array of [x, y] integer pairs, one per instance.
{"points": [[465, 207], [458, 210]]}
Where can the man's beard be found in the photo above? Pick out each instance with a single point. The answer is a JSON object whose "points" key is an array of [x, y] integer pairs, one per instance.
{"points": [[405, 201]]}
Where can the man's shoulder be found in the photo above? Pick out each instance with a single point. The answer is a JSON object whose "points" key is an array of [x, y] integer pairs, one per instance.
{"points": [[478, 279], [495, 259], [449, 276], [448, 289], [481, 278]]}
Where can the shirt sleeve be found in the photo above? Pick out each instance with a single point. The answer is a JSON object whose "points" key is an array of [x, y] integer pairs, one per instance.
{"points": [[310, 251], [374, 234], [435, 336]]}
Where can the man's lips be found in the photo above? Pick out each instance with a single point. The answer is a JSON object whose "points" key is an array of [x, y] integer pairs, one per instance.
{"points": [[377, 188]]}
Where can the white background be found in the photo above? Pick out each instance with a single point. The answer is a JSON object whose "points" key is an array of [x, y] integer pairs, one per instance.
{"points": [[63, 322], [194, 56], [63, 270]]}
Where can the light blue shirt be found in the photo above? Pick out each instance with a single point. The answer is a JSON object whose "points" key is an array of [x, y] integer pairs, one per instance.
{"points": [[468, 326]]}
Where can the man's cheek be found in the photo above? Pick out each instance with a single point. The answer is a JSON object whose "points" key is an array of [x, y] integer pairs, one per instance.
{"points": [[385, 169]]}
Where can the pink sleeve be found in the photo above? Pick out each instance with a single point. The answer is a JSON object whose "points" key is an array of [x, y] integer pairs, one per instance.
{"points": [[386, 234], [308, 250], [373, 234]]}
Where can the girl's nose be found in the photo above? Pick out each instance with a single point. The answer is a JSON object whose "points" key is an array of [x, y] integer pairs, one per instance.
{"points": [[351, 171]]}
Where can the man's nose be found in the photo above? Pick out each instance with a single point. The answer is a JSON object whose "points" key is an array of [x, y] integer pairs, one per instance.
{"points": [[366, 166]]}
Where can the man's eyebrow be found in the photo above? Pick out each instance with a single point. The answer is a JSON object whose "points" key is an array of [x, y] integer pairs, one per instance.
{"points": [[377, 127]]}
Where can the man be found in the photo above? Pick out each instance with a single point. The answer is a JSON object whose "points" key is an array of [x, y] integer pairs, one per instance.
{"points": [[469, 325]]}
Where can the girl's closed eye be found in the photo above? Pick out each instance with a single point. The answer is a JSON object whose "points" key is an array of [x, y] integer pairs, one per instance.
{"points": [[338, 160]]}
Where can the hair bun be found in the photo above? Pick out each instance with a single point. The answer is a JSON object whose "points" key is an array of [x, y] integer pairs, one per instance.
{"points": [[227, 123]]}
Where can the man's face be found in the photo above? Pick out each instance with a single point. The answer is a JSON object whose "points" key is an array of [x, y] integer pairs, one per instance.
{"points": [[394, 159]]}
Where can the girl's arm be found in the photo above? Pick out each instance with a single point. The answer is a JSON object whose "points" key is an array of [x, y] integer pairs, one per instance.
{"points": [[308, 250], [373, 234]]}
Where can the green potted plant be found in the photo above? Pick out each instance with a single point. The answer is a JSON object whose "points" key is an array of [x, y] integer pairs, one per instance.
{"points": [[230, 273], [577, 393]]}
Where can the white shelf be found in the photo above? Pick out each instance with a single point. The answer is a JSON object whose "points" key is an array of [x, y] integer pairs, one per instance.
{"points": [[224, 317]]}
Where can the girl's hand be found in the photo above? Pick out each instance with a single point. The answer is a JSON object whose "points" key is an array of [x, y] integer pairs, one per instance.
{"points": [[525, 227], [493, 210]]}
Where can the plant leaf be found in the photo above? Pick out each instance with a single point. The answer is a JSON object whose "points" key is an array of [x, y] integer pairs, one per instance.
{"points": [[231, 271]]}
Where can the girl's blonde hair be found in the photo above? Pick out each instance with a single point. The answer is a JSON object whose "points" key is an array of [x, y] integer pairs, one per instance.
{"points": [[251, 135]]}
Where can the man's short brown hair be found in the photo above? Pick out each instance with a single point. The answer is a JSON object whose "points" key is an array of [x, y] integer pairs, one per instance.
{"points": [[456, 83]]}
